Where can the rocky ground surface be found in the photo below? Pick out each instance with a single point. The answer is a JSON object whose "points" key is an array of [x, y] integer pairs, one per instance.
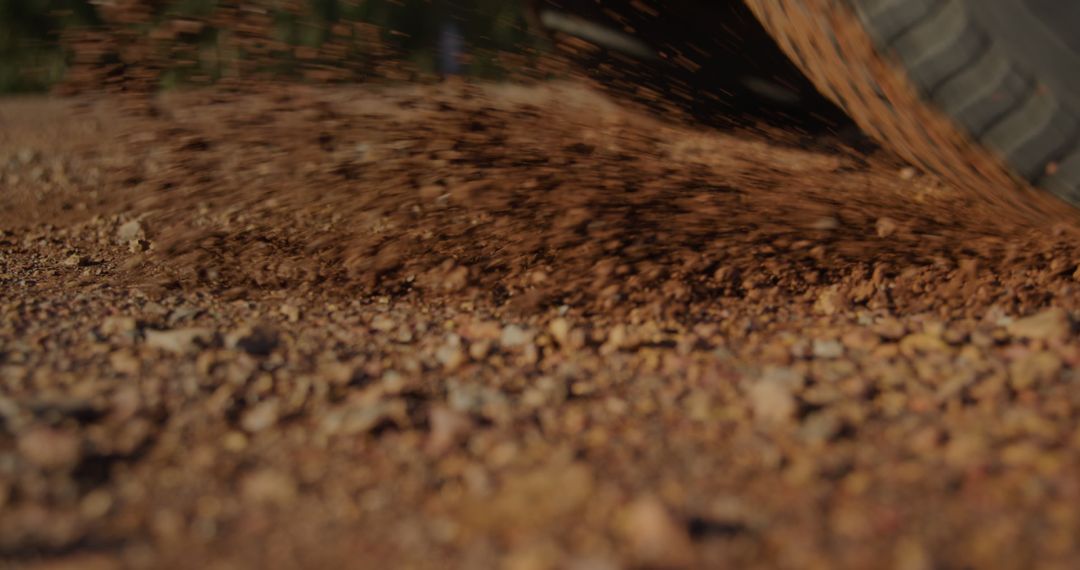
{"points": [[498, 326]]}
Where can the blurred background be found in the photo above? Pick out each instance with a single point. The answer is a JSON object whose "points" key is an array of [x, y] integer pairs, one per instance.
{"points": [[177, 42]]}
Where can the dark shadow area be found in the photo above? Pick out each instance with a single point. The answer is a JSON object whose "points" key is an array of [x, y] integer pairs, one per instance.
{"points": [[708, 63]]}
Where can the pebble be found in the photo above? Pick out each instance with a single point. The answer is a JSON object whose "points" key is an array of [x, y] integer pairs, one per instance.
{"points": [[772, 402], [363, 418], [885, 227], [179, 341], [827, 348], [124, 362], [654, 537], [831, 302], [129, 231], [76, 260], [514, 336], [560, 330], [264, 415], [914, 344], [49, 448], [447, 428], [1033, 369], [118, 325], [290, 312], [1051, 324], [269, 487], [890, 329], [450, 356]]}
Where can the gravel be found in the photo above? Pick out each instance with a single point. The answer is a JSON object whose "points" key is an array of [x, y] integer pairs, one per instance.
{"points": [[522, 329]]}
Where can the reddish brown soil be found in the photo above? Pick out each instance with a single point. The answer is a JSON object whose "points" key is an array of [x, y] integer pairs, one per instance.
{"points": [[498, 326]]}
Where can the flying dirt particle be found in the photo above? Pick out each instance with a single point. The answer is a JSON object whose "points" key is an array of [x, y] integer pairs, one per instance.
{"points": [[826, 223], [886, 227]]}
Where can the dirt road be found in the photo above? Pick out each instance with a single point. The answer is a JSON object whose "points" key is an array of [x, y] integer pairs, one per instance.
{"points": [[468, 326]]}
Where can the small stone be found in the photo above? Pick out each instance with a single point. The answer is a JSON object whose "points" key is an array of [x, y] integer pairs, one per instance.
{"points": [[1034, 369], [124, 362], [827, 348], [125, 403], [479, 350], [514, 336], [179, 341], [130, 231], [181, 314], [921, 343], [269, 487], [655, 538], [290, 312], [910, 554], [790, 378], [26, 155], [118, 325], [383, 323], [772, 402], [49, 448], [831, 302], [450, 355], [560, 330], [362, 419], [234, 441], [1051, 324], [825, 223], [885, 227], [820, 427], [264, 415], [96, 504], [890, 329], [447, 427], [76, 260]]}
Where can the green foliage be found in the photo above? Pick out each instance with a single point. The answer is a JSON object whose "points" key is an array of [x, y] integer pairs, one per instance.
{"points": [[32, 57]]}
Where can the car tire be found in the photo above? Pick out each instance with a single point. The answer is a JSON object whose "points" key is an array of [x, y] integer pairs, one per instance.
{"points": [[984, 93]]}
